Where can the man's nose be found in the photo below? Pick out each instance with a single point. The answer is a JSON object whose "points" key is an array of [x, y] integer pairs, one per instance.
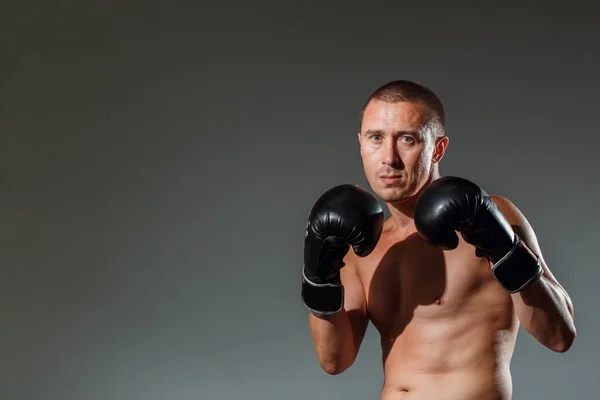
{"points": [[391, 156]]}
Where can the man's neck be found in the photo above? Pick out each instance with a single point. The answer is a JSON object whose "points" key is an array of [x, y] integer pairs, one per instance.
{"points": [[403, 212]]}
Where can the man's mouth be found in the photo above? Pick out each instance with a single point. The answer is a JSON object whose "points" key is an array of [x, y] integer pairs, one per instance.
{"points": [[390, 179]]}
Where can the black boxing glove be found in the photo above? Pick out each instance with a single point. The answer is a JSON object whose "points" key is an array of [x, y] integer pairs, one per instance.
{"points": [[344, 216], [452, 204]]}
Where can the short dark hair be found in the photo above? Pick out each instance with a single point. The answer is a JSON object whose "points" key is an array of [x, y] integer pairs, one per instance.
{"points": [[403, 90]]}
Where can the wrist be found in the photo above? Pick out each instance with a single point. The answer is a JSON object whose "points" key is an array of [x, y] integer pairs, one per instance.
{"points": [[518, 268], [322, 297], [323, 273]]}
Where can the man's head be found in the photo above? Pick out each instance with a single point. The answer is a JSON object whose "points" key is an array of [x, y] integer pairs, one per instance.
{"points": [[402, 138]]}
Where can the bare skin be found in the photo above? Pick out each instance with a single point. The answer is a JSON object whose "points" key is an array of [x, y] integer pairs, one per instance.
{"points": [[447, 328]]}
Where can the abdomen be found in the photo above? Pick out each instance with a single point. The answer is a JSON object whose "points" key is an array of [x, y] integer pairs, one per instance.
{"points": [[468, 384], [469, 347]]}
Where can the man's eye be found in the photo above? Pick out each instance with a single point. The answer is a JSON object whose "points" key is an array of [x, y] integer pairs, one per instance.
{"points": [[376, 138], [408, 139]]}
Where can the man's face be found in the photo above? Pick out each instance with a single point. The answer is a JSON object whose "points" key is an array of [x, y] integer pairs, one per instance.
{"points": [[398, 148]]}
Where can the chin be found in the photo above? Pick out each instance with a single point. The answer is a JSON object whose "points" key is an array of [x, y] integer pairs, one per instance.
{"points": [[406, 190], [394, 194]]}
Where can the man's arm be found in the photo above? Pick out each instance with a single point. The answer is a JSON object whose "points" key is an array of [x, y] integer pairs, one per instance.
{"points": [[544, 308], [346, 221], [337, 338]]}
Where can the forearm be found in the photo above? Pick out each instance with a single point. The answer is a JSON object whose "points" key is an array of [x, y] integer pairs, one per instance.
{"points": [[546, 312], [334, 341]]}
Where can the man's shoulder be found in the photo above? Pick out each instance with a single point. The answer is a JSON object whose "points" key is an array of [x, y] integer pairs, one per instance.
{"points": [[516, 219], [500, 198], [508, 208], [502, 202]]}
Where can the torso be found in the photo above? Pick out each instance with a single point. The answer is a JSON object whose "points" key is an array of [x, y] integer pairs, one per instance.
{"points": [[447, 328]]}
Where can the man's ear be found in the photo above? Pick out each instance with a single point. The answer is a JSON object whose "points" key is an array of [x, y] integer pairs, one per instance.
{"points": [[440, 148]]}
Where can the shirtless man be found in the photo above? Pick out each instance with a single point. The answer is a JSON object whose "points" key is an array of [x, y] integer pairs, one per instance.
{"points": [[446, 280]]}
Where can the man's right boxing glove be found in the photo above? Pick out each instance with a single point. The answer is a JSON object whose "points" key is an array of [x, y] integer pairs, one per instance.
{"points": [[344, 216]]}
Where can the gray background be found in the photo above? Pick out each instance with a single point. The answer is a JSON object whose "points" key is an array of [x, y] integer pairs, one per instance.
{"points": [[159, 161]]}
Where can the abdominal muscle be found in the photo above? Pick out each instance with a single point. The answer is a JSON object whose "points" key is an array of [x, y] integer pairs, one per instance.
{"points": [[447, 328], [463, 357]]}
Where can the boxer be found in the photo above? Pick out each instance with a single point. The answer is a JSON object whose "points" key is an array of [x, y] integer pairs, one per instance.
{"points": [[446, 280]]}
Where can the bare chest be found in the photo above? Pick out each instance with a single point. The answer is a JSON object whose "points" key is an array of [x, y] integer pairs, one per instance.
{"points": [[410, 279]]}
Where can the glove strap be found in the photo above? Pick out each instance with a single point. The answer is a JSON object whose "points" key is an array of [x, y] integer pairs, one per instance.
{"points": [[519, 268], [322, 299]]}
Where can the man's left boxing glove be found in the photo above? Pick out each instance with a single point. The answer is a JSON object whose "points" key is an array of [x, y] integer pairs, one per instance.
{"points": [[452, 204], [344, 216]]}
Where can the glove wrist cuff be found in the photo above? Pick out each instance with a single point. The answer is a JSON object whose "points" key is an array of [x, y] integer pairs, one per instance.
{"points": [[322, 299], [519, 268]]}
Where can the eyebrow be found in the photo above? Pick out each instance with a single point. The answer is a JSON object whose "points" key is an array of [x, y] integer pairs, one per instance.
{"points": [[373, 132], [380, 132]]}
